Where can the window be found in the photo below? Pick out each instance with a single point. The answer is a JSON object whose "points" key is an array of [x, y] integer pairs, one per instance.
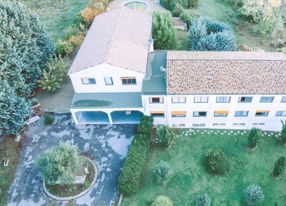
{"points": [[281, 113], [156, 100], [218, 124], [241, 114], [260, 124], [245, 99], [178, 114], [199, 125], [262, 113], [222, 113], [223, 99], [266, 99], [238, 124], [178, 100], [157, 114], [128, 80], [283, 99], [199, 114], [88, 80], [201, 99], [108, 80]]}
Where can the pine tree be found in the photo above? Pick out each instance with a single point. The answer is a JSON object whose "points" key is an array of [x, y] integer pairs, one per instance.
{"points": [[163, 31], [25, 46], [14, 110]]}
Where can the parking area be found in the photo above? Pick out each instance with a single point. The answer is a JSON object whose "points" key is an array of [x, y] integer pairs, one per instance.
{"points": [[106, 145]]}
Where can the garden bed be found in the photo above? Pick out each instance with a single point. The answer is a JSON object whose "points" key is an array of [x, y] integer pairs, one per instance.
{"points": [[66, 192]]}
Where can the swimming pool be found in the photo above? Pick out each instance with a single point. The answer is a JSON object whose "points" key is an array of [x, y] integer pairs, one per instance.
{"points": [[137, 5]]}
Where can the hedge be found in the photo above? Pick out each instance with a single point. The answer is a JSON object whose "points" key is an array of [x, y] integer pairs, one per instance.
{"points": [[129, 179]]}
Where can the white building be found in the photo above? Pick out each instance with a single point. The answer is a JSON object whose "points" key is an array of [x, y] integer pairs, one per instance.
{"points": [[117, 77]]}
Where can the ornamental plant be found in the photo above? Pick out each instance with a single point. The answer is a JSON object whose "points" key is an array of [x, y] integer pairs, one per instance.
{"points": [[279, 166], [162, 172], [254, 195], [216, 162], [48, 119], [283, 133], [203, 200], [253, 138], [165, 136], [162, 200]]}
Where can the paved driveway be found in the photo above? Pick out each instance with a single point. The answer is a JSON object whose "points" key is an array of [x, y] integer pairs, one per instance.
{"points": [[106, 145]]}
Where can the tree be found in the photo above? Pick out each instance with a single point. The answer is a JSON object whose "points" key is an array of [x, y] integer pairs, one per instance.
{"points": [[14, 110], [254, 195], [162, 201], [283, 132], [216, 162], [163, 31], [279, 166], [162, 172], [186, 17], [25, 46], [203, 200], [59, 164], [253, 137], [207, 35]]}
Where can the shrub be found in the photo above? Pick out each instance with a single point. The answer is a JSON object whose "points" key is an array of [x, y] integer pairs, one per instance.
{"points": [[144, 127], [283, 133], [129, 179], [59, 164], [253, 137], [207, 35], [162, 172], [163, 31], [48, 119], [203, 200], [279, 166], [64, 47], [76, 40], [162, 201], [95, 8], [165, 136], [254, 195], [178, 9], [186, 17], [216, 162], [55, 75]]}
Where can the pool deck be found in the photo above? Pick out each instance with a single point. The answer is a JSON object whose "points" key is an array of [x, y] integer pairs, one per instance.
{"points": [[152, 6]]}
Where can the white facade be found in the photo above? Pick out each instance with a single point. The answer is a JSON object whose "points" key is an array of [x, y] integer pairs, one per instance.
{"points": [[102, 71], [270, 122]]}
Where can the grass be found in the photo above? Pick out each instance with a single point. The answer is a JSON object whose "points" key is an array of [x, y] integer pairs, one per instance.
{"points": [[8, 149], [189, 177], [57, 15]]}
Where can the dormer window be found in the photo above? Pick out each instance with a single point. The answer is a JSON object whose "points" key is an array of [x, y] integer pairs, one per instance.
{"points": [[87, 80], [128, 80]]}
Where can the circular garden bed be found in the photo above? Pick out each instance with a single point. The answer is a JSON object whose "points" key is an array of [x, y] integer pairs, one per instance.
{"points": [[73, 191]]}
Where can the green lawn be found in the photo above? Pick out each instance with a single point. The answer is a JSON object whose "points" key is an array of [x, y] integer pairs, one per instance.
{"points": [[221, 10], [57, 15], [190, 178], [8, 149]]}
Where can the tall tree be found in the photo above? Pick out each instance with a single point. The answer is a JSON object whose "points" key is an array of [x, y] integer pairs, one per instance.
{"points": [[14, 110], [163, 31], [25, 46]]}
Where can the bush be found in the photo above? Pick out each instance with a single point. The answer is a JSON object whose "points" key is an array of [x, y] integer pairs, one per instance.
{"points": [[207, 35], [95, 8], [129, 179], [48, 119], [163, 31], [178, 9], [283, 133], [279, 166], [162, 201], [216, 162], [55, 75], [59, 164], [165, 136], [253, 137], [186, 17], [254, 195], [64, 47], [144, 127], [162, 172], [203, 200]]}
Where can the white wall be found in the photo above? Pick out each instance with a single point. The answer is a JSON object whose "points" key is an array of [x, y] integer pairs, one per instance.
{"points": [[105, 70], [272, 122]]}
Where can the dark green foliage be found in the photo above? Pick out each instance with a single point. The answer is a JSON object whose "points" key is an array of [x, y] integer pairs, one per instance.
{"points": [[216, 162], [253, 137], [25, 47], [163, 31], [186, 17], [203, 200], [162, 172], [129, 179], [165, 136], [283, 133], [254, 195], [59, 164], [186, 4], [279, 166], [48, 119], [178, 9], [14, 110], [207, 35]]}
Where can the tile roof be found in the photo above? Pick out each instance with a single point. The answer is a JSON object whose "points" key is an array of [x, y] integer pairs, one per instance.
{"points": [[226, 72], [119, 37]]}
